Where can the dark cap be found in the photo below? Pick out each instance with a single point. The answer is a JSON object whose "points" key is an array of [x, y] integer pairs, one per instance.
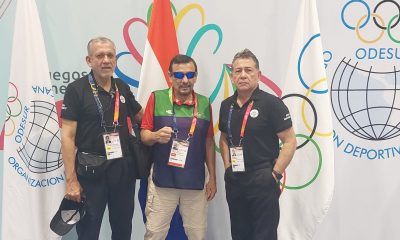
{"points": [[69, 213]]}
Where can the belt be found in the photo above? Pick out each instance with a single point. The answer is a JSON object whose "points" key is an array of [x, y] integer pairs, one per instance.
{"points": [[258, 166]]}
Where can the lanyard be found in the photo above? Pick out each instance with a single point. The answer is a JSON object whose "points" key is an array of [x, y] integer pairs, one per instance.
{"points": [[95, 92], [244, 122], [194, 118]]}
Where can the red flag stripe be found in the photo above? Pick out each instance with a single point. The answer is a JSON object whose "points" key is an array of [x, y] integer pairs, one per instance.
{"points": [[162, 34]]}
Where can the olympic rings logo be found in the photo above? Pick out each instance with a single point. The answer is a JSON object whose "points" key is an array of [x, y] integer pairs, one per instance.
{"points": [[310, 88], [381, 23], [14, 109]]}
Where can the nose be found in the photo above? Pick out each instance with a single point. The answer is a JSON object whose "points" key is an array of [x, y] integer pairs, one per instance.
{"points": [[243, 74], [185, 79], [106, 58]]}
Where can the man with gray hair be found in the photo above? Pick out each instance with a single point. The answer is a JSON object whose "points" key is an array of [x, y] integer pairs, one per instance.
{"points": [[98, 166]]}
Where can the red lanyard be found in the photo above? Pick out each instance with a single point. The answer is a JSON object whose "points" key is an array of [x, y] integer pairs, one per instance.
{"points": [[194, 118], [244, 122], [98, 103], [246, 116], [116, 106]]}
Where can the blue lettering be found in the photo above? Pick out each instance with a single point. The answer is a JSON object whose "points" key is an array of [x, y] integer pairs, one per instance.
{"points": [[350, 149], [356, 151], [44, 184], [337, 140], [18, 138], [363, 52], [377, 53], [11, 160], [396, 149], [373, 155], [380, 154], [363, 152], [382, 53], [389, 53], [21, 127], [372, 53], [42, 90]]}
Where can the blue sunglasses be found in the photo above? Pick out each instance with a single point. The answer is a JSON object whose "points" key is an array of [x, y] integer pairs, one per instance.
{"points": [[181, 75]]}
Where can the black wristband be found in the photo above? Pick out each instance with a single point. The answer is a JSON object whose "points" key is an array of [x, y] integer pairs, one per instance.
{"points": [[277, 175]]}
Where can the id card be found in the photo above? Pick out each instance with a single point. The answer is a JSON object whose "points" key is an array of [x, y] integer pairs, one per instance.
{"points": [[112, 145], [179, 150], [237, 159]]}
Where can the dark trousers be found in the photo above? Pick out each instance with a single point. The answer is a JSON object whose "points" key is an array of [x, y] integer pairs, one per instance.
{"points": [[253, 200], [117, 190]]}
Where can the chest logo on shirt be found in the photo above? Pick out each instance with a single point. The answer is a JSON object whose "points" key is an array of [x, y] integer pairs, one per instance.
{"points": [[169, 111], [254, 113], [122, 98]]}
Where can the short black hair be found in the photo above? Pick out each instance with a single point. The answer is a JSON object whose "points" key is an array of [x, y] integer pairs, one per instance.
{"points": [[181, 58]]}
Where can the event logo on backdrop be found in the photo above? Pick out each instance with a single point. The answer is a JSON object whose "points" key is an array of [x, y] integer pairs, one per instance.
{"points": [[222, 84], [33, 129], [365, 85]]}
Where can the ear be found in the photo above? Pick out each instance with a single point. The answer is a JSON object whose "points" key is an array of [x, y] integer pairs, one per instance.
{"points": [[89, 61]]}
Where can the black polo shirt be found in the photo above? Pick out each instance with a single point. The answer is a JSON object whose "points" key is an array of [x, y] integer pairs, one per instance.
{"points": [[79, 105], [268, 117]]}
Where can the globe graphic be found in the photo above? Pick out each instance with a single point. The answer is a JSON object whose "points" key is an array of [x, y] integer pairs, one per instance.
{"points": [[41, 148], [366, 102]]}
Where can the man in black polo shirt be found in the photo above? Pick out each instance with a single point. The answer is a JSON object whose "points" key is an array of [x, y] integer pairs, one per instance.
{"points": [[94, 121], [251, 123]]}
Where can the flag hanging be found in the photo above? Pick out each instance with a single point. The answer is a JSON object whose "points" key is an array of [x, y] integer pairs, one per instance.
{"points": [[161, 46], [33, 173], [308, 185]]}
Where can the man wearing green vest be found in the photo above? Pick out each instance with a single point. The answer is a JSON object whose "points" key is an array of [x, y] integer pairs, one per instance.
{"points": [[178, 125]]}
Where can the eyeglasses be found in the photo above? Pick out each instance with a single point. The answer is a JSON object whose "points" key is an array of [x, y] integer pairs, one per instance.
{"points": [[181, 75]]}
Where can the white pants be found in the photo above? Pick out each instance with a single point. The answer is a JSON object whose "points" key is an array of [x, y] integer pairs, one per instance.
{"points": [[161, 205]]}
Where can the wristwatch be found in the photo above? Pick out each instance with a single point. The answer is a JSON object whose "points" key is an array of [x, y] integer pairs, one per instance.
{"points": [[277, 175]]}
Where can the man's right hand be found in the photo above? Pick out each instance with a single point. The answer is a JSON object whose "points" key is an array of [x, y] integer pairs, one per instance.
{"points": [[73, 191], [164, 135]]}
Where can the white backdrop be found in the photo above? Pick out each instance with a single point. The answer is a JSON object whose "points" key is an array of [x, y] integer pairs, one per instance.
{"points": [[367, 190]]}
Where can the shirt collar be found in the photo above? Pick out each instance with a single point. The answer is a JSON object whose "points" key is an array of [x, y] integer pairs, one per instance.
{"points": [[178, 102], [254, 96], [112, 90]]}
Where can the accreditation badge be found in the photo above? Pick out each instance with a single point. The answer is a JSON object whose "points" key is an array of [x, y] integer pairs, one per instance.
{"points": [[179, 150], [237, 159], [112, 144]]}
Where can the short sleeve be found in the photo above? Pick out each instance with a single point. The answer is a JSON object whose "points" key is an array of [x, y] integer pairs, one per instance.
{"points": [[70, 109], [222, 121], [280, 117], [147, 120], [134, 106]]}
